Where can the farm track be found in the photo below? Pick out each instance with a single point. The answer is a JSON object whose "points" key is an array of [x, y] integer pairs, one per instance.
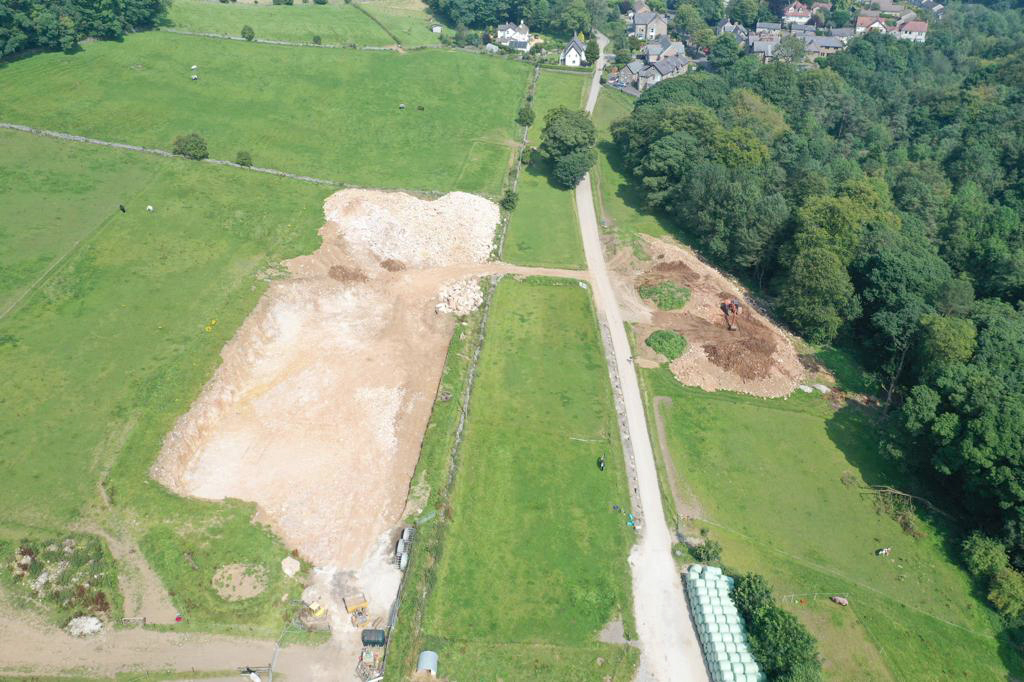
{"points": [[669, 646]]}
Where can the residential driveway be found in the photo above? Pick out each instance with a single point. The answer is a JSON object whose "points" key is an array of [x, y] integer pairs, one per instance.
{"points": [[670, 650]]}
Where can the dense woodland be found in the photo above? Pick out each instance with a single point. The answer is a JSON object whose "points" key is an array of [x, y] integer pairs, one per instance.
{"points": [[60, 24], [879, 200]]}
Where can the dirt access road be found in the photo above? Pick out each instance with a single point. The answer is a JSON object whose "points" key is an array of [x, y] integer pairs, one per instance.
{"points": [[670, 650]]}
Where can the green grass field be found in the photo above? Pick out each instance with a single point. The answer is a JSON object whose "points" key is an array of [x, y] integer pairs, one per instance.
{"points": [[620, 202], [543, 230], [534, 562], [338, 118], [769, 476], [556, 89], [340, 24], [408, 20], [109, 347]]}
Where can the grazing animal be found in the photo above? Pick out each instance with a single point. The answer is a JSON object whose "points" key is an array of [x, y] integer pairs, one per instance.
{"points": [[121, 206]]}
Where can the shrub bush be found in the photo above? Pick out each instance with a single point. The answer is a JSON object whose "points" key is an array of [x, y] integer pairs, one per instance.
{"points": [[248, 33], [707, 552], [316, 40], [509, 201], [525, 116], [1007, 593], [666, 295], [191, 146], [244, 159], [668, 343]]}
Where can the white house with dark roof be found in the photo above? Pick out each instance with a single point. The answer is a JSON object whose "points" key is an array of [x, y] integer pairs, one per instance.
{"points": [[574, 54], [516, 37]]}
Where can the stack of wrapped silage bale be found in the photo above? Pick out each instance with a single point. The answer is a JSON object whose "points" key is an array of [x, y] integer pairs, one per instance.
{"points": [[720, 626]]}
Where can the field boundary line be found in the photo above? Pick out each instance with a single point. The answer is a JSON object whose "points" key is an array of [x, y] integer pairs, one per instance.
{"points": [[416, 626], [377, 21], [282, 43], [162, 152], [531, 89]]}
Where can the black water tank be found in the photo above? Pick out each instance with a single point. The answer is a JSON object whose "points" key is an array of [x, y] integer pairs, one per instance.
{"points": [[374, 637]]}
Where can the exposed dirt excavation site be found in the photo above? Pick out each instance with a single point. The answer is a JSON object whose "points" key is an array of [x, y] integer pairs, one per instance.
{"points": [[756, 358], [318, 409]]}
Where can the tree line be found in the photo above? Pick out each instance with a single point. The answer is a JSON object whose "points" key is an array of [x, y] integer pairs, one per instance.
{"points": [[60, 24], [877, 199]]}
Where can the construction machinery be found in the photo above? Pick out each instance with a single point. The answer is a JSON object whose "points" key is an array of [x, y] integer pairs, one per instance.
{"points": [[732, 308]]}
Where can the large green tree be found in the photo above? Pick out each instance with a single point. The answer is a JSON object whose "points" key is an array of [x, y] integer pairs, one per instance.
{"points": [[568, 142]]}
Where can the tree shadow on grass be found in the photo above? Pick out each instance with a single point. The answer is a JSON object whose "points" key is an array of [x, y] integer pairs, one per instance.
{"points": [[1011, 650], [632, 194], [541, 167]]}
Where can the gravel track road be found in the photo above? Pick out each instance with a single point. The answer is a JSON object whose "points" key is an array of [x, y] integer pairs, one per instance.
{"points": [[670, 650]]}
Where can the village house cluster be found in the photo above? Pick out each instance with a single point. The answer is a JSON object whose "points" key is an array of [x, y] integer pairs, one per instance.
{"points": [[765, 38], [663, 57]]}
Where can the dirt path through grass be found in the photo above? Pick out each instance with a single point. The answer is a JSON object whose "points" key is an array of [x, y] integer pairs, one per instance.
{"points": [[685, 507], [47, 650]]}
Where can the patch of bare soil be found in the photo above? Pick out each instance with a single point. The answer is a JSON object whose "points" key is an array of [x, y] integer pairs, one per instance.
{"points": [[757, 358], [144, 593], [235, 582], [318, 409]]}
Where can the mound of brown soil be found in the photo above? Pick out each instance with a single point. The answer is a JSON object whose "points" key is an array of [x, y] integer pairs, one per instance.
{"points": [[345, 274], [757, 358]]}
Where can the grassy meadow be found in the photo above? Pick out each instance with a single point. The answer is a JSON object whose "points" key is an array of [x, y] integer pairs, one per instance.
{"points": [[543, 230], [341, 24], [114, 337], [407, 20], [533, 563], [338, 119], [779, 483], [556, 89]]}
